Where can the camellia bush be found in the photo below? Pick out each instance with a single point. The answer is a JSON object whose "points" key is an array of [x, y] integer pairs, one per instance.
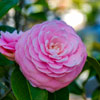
{"points": [[43, 62]]}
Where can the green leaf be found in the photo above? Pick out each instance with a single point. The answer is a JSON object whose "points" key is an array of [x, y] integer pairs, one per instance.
{"points": [[39, 94], [96, 94], [62, 94], [5, 5], [23, 90], [42, 2], [5, 65], [74, 88], [86, 66], [91, 70], [38, 16], [95, 64], [6, 28], [4, 61], [2, 71]]}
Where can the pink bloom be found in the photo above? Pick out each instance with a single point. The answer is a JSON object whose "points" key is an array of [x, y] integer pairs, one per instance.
{"points": [[50, 55], [7, 43]]}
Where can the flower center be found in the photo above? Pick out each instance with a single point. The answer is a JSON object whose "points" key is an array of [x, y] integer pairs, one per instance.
{"points": [[55, 47]]}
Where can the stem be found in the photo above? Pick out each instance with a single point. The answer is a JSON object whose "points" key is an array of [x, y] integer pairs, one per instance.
{"points": [[18, 15], [6, 94], [84, 96]]}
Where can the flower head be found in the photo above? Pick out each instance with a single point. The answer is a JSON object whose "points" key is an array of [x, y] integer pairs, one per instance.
{"points": [[8, 42], [50, 55]]}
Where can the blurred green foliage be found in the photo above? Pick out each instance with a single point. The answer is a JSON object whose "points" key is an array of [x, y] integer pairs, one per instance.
{"points": [[5, 5]]}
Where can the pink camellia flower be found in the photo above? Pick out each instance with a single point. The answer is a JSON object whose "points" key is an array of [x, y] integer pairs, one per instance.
{"points": [[7, 43], [50, 55]]}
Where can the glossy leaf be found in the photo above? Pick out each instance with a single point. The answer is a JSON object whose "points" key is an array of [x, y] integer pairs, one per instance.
{"points": [[5, 65], [38, 16], [6, 28], [86, 66], [4, 61], [23, 90], [37, 94], [91, 71], [62, 94], [5, 5], [95, 64], [74, 88]]}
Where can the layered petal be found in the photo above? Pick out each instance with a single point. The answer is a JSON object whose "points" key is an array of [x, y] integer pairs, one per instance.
{"points": [[8, 42], [51, 55]]}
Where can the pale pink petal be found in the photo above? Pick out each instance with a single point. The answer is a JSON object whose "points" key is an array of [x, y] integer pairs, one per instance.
{"points": [[63, 59], [45, 58]]}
